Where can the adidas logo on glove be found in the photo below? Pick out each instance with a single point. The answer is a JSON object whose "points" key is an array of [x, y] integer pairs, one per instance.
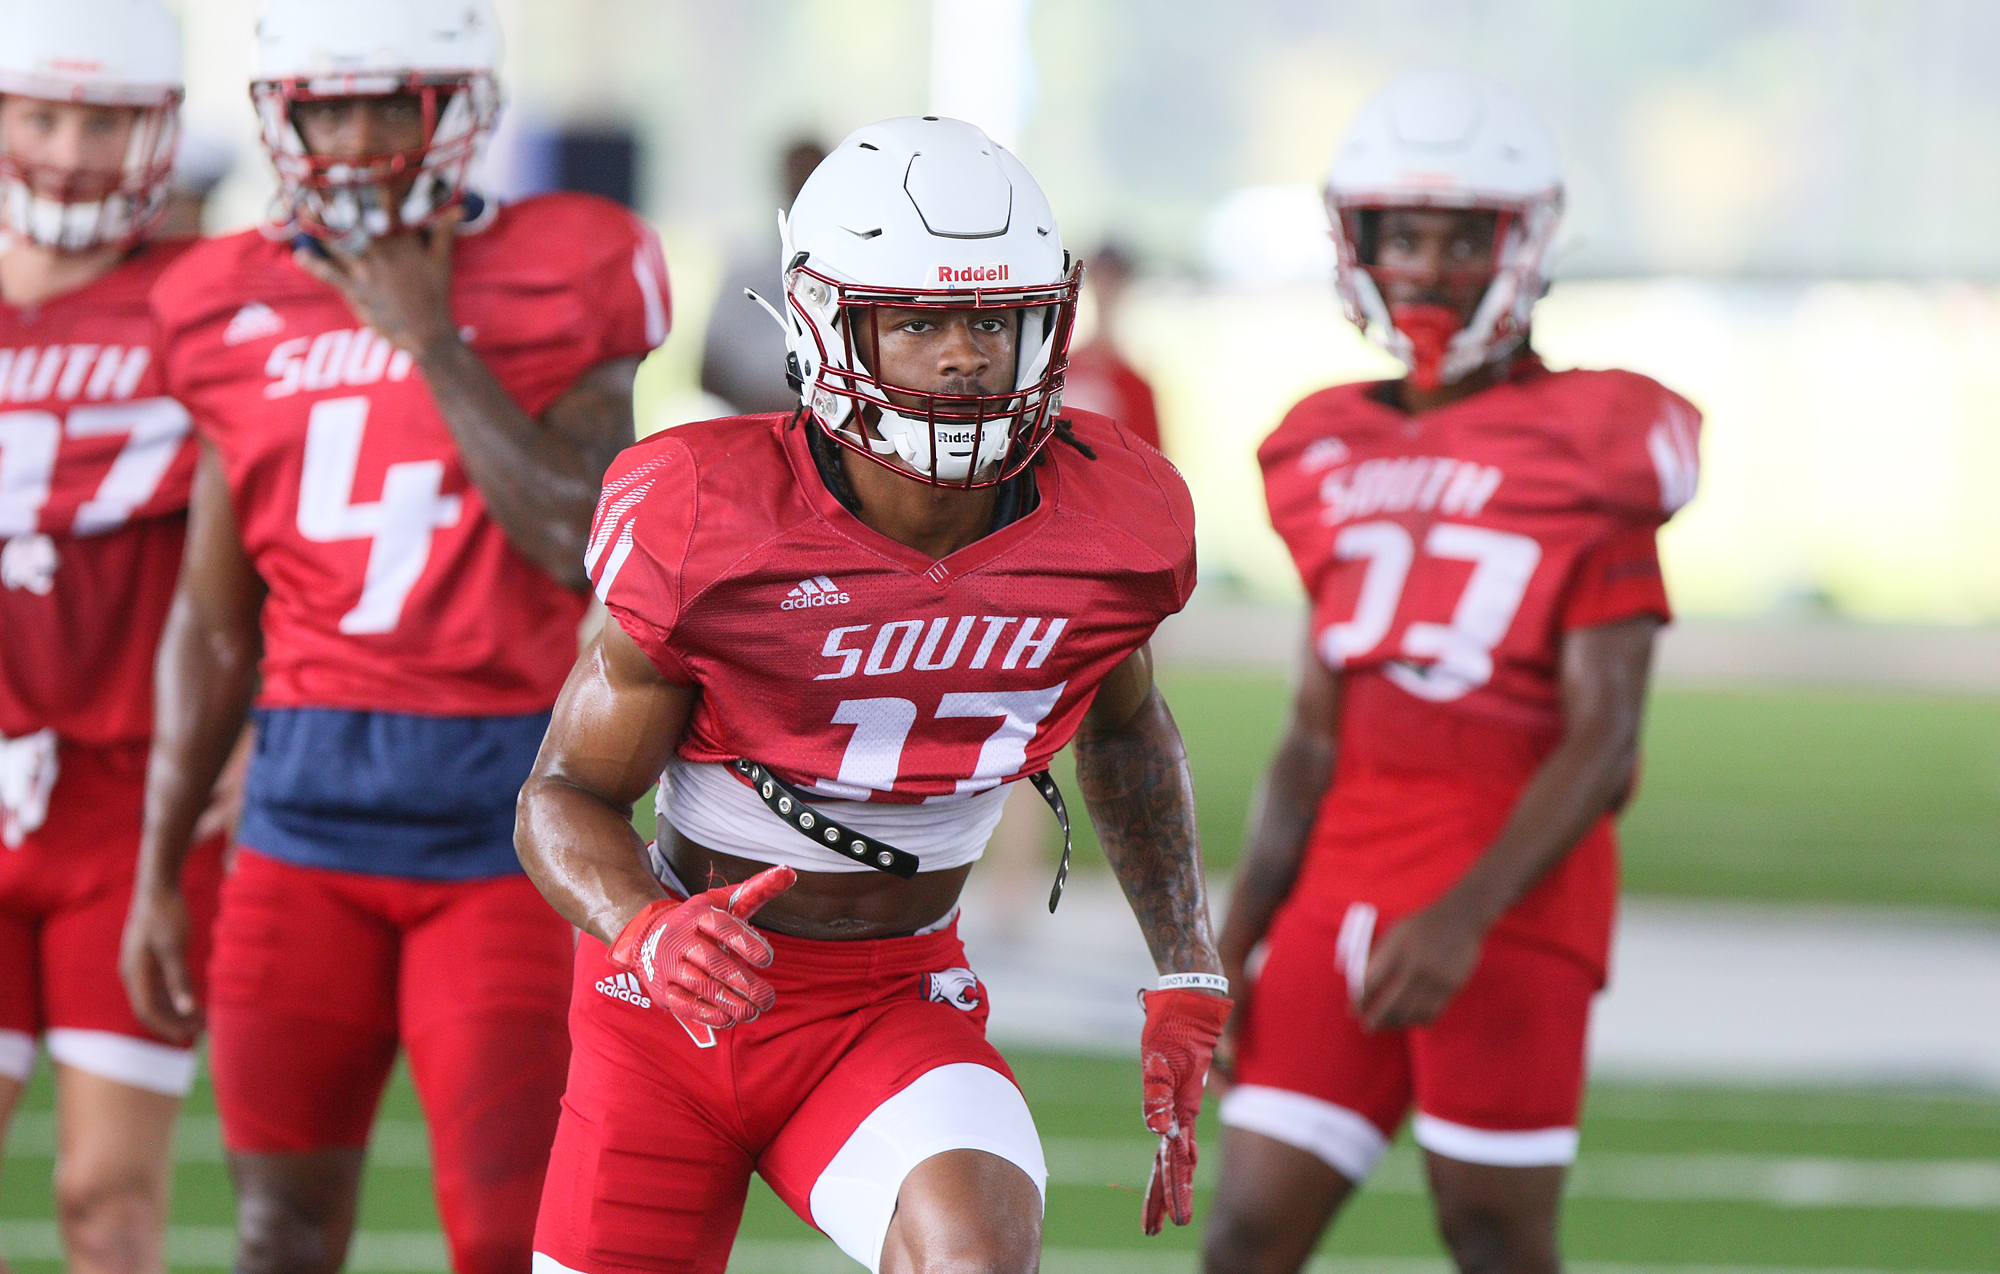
{"points": [[626, 987], [817, 591]]}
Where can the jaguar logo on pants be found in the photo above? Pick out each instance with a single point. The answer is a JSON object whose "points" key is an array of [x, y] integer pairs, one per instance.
{"points": [[956, 987]]}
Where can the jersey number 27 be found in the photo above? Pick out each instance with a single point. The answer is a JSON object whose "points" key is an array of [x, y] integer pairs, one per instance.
{"points": [[154, 428]]}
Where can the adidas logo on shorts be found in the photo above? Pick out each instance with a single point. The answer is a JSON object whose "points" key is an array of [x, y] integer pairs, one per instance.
{"points": [[817, 591], [626, 987]]}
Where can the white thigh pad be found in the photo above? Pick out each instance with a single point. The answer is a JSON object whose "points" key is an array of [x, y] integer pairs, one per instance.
{"points": [[135, 1063], [17, 1056], [962, 1106]]}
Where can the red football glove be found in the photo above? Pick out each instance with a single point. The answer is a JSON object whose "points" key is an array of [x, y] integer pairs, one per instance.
{"points": [[699, 957], [1181, 1029]]}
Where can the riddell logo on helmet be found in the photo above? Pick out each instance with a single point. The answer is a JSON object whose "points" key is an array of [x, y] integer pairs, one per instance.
{"points": [[973, 274]]}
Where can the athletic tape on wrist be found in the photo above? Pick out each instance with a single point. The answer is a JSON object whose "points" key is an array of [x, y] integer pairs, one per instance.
{"points": [[1194, 981]]}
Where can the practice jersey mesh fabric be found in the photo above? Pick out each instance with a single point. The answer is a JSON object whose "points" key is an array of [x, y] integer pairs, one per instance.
{"points": [[858, 667], [411, 652], [94, 469], [392, 589], [1446, 555]]}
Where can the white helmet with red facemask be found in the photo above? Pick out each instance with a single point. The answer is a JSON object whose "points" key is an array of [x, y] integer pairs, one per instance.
{"points": [[927, 213], [1451, 140], [117, 53], [443, 53]]}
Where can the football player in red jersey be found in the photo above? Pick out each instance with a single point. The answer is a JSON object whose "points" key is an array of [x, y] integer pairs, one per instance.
{"points": [[1101, 379], [406, 397], [1424, 908], [94, 470], [841, 632]]}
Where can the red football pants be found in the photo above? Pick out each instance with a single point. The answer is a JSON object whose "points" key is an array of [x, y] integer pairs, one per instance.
{"points": [[663, 1124], [1497, 1078], [318, 975], [63, 898]]}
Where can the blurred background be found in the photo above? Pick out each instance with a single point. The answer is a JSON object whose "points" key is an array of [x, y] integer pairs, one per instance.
{"points": [[1781, 208]]}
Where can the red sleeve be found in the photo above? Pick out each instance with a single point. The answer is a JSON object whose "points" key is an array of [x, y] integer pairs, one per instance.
{"points": [[639, 544], [1650, 463], [629, 291], [1618, 578]]}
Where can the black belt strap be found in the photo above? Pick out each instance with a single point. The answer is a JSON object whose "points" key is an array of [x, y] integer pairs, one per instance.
{"points": [[1053, 795], [813, 823]]}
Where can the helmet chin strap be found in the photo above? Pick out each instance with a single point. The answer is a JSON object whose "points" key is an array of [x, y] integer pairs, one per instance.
{"points": [[1429, 329]]}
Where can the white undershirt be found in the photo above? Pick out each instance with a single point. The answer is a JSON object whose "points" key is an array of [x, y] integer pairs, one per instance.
{"points": [[712, 807]]}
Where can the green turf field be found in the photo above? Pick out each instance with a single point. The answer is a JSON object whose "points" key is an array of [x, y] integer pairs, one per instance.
{"points": [[1849, 796], [1669, 1178], [1876, 797]]}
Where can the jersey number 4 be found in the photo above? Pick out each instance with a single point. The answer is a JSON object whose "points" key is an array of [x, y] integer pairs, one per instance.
{"points": [[399, 524], [1456, 658], [154, 428]]}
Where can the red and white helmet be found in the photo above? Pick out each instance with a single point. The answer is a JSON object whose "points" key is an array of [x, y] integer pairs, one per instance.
{"points": [[101, 53], [445, 53], [927, 213], [1447, 139]]}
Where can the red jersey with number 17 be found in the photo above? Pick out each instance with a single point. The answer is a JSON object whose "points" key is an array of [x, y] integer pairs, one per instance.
{"points": [[94, 470], [864, 669], [1445, 556], [391, 588]]}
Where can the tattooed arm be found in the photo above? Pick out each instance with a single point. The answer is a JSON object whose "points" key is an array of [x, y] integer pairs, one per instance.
{"points": [[540, 478], [1136, 785]]}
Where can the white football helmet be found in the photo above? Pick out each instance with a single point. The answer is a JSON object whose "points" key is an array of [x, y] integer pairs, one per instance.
{"points": [[1446, 139], [444, 53], [102, 53], [926, 213]]}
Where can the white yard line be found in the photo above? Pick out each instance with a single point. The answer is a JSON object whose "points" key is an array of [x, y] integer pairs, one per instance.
{"points": [[416, 1252], [1786, 1181], [215, 1245], [395, 1143], [1792, 1181], [771, 1257]]}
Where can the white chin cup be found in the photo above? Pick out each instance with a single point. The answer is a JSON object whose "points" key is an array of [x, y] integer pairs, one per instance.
{"points": [[910, 439], [67, 227]]}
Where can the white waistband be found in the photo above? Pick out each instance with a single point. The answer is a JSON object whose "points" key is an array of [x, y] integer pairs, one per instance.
{"points": [[710, 806]]}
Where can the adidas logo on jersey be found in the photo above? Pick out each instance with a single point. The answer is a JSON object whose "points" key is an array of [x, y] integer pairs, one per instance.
{"points": [[252, 321], [626, 987], [817, 591]]}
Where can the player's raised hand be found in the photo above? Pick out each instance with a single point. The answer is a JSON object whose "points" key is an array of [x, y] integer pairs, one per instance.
{"points": [[1182, 1027], [700, 957], [152, 962], [399, 285], [1416, 969]]}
